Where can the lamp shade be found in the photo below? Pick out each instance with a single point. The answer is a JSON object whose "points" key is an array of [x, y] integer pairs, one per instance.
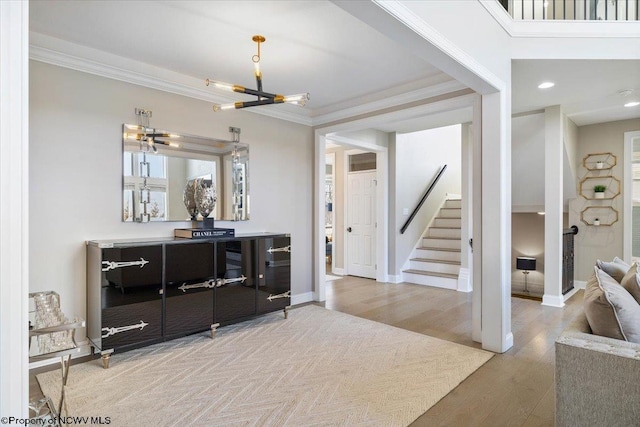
{"points": [[525, 263]]}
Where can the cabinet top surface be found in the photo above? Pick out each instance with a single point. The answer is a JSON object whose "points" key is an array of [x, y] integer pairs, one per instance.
{"points": [[143, 241]]}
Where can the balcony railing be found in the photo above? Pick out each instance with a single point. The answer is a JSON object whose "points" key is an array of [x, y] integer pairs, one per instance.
{"points": [[573, 10]]}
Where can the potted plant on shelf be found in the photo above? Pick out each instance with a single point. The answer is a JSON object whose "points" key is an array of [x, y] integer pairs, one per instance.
{"points": [[596, 221], [598, 191], [599, 164]]}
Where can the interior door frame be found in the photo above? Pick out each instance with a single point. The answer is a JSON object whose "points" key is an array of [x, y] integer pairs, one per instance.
{"points": [[627, 213], [345, 212], [333, 208], [382, 200]]}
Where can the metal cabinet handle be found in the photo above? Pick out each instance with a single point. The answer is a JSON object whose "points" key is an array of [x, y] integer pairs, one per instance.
{"points": [[117, 330], [112, 265], [349, 229]]}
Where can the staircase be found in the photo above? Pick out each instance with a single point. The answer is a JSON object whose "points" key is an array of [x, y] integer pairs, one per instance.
{"points": [[435, 261]]}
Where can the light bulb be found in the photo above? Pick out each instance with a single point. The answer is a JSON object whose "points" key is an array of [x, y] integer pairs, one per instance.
{"points": [[220, 107], [220, 85], [256, 69], [301, 97]]}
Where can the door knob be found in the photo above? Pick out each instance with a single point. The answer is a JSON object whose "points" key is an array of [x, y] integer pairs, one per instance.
{"points": [[349, 229]]}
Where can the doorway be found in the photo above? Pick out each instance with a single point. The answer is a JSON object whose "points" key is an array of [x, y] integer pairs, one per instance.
{"points": [[361, 214]]}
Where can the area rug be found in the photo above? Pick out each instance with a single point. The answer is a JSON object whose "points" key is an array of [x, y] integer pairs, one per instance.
{"points": [[330, 277], [317, 368]]}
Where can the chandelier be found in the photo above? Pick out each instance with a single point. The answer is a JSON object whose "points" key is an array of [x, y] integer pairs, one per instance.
{"points": [[264, 98]]}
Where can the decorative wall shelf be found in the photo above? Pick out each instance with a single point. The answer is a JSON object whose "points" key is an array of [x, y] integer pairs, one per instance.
{"points": [[611, 182], [592, 161], [607, 215]]}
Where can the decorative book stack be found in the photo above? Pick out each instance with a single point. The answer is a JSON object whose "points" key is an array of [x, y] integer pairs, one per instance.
{"points": [[204, 233]]}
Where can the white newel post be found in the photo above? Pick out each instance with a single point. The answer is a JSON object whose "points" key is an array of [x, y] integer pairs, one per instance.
{"points": [[496, 223], [14, 209], [553, 206]]}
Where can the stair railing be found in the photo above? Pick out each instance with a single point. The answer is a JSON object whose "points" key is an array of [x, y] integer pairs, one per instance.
{"points": [[434, 181], [575, 10]]}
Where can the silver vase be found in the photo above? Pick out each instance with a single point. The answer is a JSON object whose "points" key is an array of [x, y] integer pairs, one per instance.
{"points": [[205, 197]]}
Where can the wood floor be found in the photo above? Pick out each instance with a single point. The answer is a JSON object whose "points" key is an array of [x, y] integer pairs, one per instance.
{"points": [[512, 389]]}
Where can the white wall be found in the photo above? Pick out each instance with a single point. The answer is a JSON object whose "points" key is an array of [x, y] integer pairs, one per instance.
{"points": [[571, 147], [75, 173], [370, 136], [593, 243], [418, 157], [527, 163]]}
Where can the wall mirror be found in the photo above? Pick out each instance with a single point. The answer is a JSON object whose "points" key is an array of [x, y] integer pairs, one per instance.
{"points": [[158, 165]]}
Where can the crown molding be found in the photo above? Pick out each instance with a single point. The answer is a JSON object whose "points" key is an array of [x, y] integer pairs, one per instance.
{"points": [[76, 57], [559, 28], [390, 102]]}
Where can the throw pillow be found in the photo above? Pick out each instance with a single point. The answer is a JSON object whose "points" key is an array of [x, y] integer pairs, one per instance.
{"points": [[631, 282], [611, 311], [620, 261], [615, 269]]}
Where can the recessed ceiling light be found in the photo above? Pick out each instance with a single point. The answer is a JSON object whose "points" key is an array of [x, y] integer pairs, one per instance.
{"points": [[540, 213], [632, 104], [546, 85], [625, 92]]}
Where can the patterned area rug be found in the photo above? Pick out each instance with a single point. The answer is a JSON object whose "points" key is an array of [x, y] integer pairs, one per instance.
{"points": [[317, 368]]}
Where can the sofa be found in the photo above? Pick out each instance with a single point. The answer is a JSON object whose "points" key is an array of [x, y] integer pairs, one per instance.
{"points": [[597, 378]]}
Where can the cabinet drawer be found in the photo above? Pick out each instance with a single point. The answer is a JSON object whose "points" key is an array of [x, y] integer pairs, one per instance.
{"points": [[131, 324], [274, 274], [235, 293], [189, 308], [130, 267], [189, 262]]}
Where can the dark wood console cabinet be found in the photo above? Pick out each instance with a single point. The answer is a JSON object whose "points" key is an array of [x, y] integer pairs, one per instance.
{"points": [[141, 292]]}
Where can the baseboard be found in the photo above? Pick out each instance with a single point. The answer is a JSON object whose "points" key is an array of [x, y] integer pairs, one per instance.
{"points": [[464, 280], [579, 284], [84, 349], [553, 301], [302, 298], [395, 278], [337, 271], [508, 341]]}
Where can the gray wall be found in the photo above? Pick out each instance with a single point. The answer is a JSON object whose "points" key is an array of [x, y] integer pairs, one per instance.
{"points": [[593, 243], [76, 166]]}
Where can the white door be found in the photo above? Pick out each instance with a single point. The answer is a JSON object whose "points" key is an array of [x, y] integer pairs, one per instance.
{"points": [[361, 224]]}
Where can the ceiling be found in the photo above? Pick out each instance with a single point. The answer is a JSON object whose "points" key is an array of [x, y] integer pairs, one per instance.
{"points": [[586, 89], [312, 46]]}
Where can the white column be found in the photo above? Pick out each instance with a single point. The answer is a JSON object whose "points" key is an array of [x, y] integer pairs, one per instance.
{"points": [[14, 209], [319, 273], [465, 278], [496, 222], [553, 205], [476, 299]]}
